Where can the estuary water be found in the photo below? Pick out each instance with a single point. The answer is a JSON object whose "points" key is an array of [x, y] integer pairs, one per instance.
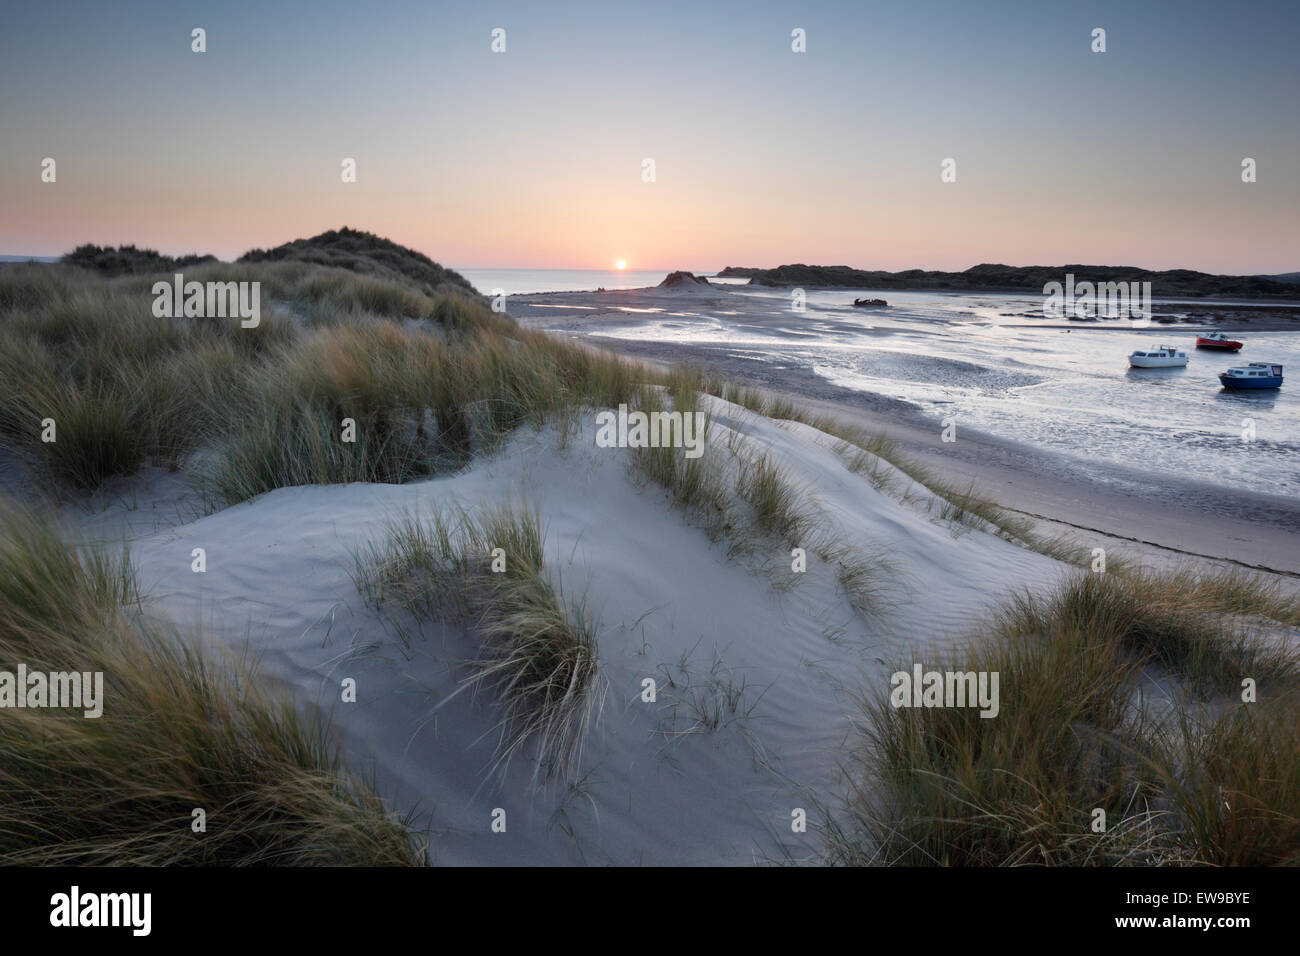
{"points": [[990, 362]]}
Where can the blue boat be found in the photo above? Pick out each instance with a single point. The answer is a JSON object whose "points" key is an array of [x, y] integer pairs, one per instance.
{"points": [[1254, 375]]}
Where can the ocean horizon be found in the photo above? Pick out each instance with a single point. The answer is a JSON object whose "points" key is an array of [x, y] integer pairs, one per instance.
{"points": [[530, 281]]}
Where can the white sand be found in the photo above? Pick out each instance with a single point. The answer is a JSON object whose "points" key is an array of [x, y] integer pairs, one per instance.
{"points": [[653, 787]]}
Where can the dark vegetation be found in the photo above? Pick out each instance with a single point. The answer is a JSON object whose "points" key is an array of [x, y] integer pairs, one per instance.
{"points": [[128, 260], [999, 278], [360, 252], [367, 254]]}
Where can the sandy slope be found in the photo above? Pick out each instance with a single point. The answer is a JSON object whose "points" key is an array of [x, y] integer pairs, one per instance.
{"points": [[654, 785]]}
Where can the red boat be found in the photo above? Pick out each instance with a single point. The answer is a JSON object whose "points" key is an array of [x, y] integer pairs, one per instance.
{"points": [[1217, 340]]}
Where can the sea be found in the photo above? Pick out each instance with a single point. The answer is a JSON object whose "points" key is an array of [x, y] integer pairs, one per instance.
{"points": [[521, 281], [979, 361]]}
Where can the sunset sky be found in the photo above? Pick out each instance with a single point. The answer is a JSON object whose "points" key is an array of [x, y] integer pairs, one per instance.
{"points": [[533, 157]]}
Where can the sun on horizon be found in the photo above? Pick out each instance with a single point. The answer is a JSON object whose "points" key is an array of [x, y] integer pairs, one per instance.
{"points": [[620, 264]]}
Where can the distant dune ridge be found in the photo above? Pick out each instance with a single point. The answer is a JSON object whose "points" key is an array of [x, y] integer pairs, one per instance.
{"points": [[368, 254], [128, 260], [992, 277], [351, 249]]}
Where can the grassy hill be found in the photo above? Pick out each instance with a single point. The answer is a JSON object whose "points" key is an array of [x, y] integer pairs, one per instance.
{"points": [[128, 260], [361, 252], [367, 254]]}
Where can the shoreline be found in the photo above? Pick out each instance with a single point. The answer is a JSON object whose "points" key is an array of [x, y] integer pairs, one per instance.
{"points": [[1262, 302], [1141, 512]]}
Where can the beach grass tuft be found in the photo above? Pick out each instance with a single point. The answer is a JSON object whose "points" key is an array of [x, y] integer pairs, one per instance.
{"points": [[779, 507], [1207, 780], [177, 734], [538, 644], [697, 485]]}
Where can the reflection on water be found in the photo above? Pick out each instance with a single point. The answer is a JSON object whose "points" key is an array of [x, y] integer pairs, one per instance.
{"points": [[977, 358]]}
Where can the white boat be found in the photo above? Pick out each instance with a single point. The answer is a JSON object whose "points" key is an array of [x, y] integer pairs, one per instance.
{"points": [[1164, 357]]}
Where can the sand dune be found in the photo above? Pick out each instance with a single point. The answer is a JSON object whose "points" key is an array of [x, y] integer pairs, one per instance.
{"points": [[655, 785]]}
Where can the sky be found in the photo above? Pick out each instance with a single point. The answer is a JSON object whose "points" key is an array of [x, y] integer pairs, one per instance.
{"points": [[534, 157]]}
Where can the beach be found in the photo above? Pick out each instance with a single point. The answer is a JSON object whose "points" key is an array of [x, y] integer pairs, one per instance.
{"points": [[1139, 507]]}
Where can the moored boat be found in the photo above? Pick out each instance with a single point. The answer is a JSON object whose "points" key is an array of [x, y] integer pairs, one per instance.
{"points": [[1217, 340], [1164, 357], [1254, 375], [869, 303]]}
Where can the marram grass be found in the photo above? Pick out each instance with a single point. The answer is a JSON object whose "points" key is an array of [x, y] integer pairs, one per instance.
{"points": [[538, 644], [1209, 780], [178, 733]]}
